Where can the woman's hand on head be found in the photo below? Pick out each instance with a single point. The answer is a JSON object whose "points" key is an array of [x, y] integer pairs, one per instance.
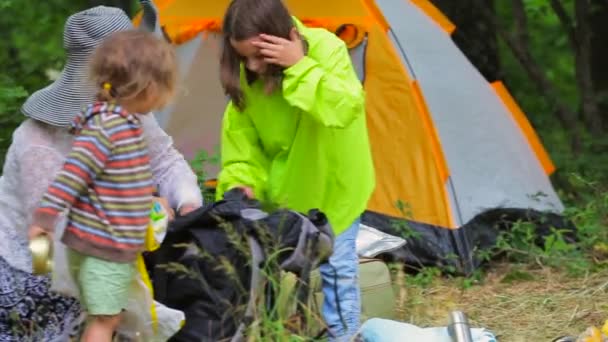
{"points": [[281, 51]]}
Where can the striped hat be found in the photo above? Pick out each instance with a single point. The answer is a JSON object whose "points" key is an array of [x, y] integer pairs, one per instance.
{"points": [[61, 101]]}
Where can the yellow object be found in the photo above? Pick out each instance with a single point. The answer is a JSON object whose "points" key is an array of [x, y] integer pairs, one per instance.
{"points": [[41, 248], [595, 335], [141, 268], [107, 86], [158, 225], [601, 247], [156, 228], [592, 334]]}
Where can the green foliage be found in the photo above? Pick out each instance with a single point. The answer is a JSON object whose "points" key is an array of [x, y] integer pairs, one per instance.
{"points": [[424, 278], [9, 95], [31, 53], [520, 244], [517, 274], [401, 226], [592, 217], [34, 32], [10, 98], [199, 165], [31, 49], [549, 46]]}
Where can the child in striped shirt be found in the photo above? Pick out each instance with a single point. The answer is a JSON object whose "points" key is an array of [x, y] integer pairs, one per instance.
{"points": [[106, 182]]}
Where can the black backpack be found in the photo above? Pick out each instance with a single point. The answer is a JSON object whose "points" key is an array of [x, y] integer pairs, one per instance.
{"points": [[210, 264]]}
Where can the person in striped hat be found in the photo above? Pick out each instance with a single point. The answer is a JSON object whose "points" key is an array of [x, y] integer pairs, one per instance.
{"points": [[38, 150], [106, 183]]}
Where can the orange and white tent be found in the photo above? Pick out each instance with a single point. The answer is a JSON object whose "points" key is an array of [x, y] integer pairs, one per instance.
{"points": [[445, 142]]}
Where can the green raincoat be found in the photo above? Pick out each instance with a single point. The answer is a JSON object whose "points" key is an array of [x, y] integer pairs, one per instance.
{"points": [[305, 146]]}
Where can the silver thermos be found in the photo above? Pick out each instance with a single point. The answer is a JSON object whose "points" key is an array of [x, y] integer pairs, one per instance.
{"points": [[459, 328]]}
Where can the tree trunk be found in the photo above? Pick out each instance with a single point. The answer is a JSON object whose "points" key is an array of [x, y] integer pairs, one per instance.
{"points": [[475, 35], [589, 104], [517, 42], [599, 55], [579, 36]]}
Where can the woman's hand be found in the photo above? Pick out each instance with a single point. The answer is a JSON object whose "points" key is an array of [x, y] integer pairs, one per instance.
{"points": [[35, 231], [248, 191], [186, 209], [281, 51]]}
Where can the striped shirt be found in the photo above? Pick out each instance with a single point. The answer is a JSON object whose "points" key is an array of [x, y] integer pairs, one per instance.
{"points": [[105, 184]]}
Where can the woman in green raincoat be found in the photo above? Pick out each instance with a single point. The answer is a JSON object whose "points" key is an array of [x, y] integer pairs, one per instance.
{"points": [[294, 134]]}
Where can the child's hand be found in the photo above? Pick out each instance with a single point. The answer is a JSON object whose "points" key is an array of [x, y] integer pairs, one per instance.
{"points": [[35, 231], [281, 51], [165, 204]]}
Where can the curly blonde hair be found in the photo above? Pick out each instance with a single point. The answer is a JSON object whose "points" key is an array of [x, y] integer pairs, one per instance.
{"points": [[134, 64]]}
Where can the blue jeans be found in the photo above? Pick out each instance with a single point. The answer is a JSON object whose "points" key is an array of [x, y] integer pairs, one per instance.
{"points": [[340, 277]]}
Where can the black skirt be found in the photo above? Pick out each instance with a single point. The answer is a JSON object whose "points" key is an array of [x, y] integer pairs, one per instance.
{"points": [[29, 311]]}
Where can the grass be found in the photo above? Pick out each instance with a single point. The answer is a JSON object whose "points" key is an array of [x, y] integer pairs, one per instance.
{"points": [[536, 292], [516, 302]]}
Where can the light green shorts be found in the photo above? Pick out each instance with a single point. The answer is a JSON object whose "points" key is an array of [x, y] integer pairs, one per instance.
{"points": [[104, 285]]}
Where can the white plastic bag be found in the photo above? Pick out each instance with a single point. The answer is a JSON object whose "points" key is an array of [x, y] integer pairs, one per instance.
{"points": [[61, 278], [145, 319], [371, 242], [384, 330]]}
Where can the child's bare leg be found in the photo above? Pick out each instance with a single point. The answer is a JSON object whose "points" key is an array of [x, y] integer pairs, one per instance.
{"points": [[104, 290], [101, 328]]}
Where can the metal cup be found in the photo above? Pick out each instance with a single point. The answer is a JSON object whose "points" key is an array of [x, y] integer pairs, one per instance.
{"points": [[41, 248], [459, 328]]}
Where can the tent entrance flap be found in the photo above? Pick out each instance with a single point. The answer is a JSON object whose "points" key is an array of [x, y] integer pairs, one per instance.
{"points": [[194, 120]]}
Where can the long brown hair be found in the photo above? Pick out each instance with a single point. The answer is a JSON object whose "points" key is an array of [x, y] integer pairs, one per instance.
{"points": [[245, 19]]}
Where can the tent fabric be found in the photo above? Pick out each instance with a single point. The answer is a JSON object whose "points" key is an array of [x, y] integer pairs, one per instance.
{"points": [[435, 14], [200, 99], [477, 133], [445, 142], [183, 20], [404, 134], [358, 54], [525, 126]]}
